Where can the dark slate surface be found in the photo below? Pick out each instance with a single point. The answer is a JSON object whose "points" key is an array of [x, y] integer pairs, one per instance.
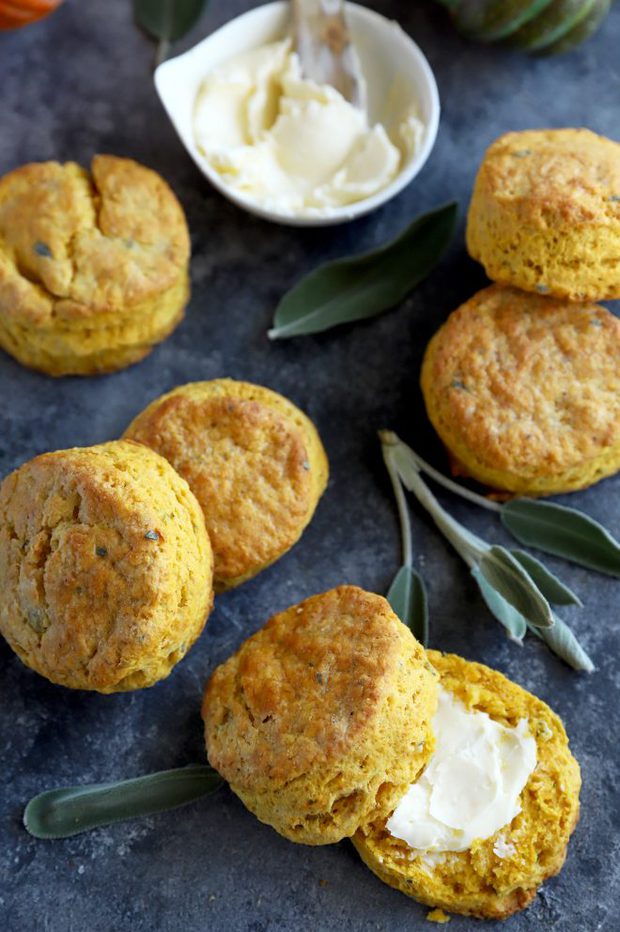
{"points": [[79, 84]]}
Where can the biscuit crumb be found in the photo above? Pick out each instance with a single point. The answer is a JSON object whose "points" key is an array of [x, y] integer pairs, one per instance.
{"points": [[437, 915]]}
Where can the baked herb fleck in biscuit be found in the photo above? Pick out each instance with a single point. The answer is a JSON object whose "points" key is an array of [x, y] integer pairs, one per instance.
{"points": [[524, 391], [93, 267], [500, 875], [105, 566], [254, 461], [545, 213], [323, 716]]}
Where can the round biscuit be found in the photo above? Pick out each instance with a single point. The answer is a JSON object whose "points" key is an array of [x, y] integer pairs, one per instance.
{"points": [[105, 566], [254, 461], [524, 391]]}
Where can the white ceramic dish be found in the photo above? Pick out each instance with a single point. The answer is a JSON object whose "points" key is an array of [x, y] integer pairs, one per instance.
{"points": [[389, 58]]}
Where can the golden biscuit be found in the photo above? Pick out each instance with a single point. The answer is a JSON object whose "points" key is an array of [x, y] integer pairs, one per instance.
{"points": [[93, 267], [524, 391], [481, 882], [105, 566], [545, 213], [253, 460], [322, 716]]}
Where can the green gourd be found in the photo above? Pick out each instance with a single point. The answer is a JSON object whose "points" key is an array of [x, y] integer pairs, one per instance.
{"points": [[545, 27]]}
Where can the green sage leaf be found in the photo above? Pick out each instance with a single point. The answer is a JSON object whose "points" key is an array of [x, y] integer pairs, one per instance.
{"points": [[167, 20], [356, 288], [509, 617], [563, 642], [68, 811], [407, 596], [513, 583], [563, 532], [551, 587]]}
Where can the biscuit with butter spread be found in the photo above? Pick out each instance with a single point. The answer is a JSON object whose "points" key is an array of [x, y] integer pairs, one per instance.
{"points": [[545, 213], [254, 461], [93, 266], [524, 391], [499, 875], [105, 566], [323, 716]]}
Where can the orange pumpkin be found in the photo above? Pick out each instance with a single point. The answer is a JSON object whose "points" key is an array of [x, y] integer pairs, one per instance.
{"points": [[15, 13]]}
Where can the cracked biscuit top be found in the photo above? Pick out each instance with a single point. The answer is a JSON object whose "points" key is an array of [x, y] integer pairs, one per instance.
{"points": [[105, 566], [75, 244], [323, 717]]}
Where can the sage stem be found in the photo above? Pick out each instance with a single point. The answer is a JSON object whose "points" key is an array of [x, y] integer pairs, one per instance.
{"points": [[448, 483], [388, 444]]}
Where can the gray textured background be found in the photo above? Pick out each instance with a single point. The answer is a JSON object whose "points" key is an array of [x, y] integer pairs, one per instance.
{"points": [[78, 84]]}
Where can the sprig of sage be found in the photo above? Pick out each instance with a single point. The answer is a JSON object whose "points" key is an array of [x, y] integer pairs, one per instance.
{"points": [[358, 287], [166, 21], [517, 588], [555, 529], [67, 811], [407, 592]]}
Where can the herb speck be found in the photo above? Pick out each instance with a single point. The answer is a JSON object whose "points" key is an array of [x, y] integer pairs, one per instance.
{"points": [[521, 153], [42, 249], [152, 535], [306, 465], [614, 197], [542, 289], [457, 383], [101, 551]]}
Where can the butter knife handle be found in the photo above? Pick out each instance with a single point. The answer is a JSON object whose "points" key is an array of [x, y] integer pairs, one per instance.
{"points": [[325, 49]]}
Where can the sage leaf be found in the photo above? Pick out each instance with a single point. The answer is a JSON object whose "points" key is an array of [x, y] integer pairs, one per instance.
{"points": [[507, 616], [167, 20], [68, 811], [513, 583], [407, 596], [359, 287], [551, 587], [563, 642], [563, 532]]}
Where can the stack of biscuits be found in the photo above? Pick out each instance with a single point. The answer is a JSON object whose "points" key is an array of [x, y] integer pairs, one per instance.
{"points": [[522, 383]]}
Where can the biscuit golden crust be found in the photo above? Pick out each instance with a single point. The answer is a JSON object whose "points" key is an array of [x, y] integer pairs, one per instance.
{"points": [[105, 566], [479, 882], [93, 267], [545, 213], [254, 461], [323, 715], [524, 391]]}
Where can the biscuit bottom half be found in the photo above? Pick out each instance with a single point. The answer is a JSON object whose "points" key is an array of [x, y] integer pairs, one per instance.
{"points": [[96, 344], [481, 882]]}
